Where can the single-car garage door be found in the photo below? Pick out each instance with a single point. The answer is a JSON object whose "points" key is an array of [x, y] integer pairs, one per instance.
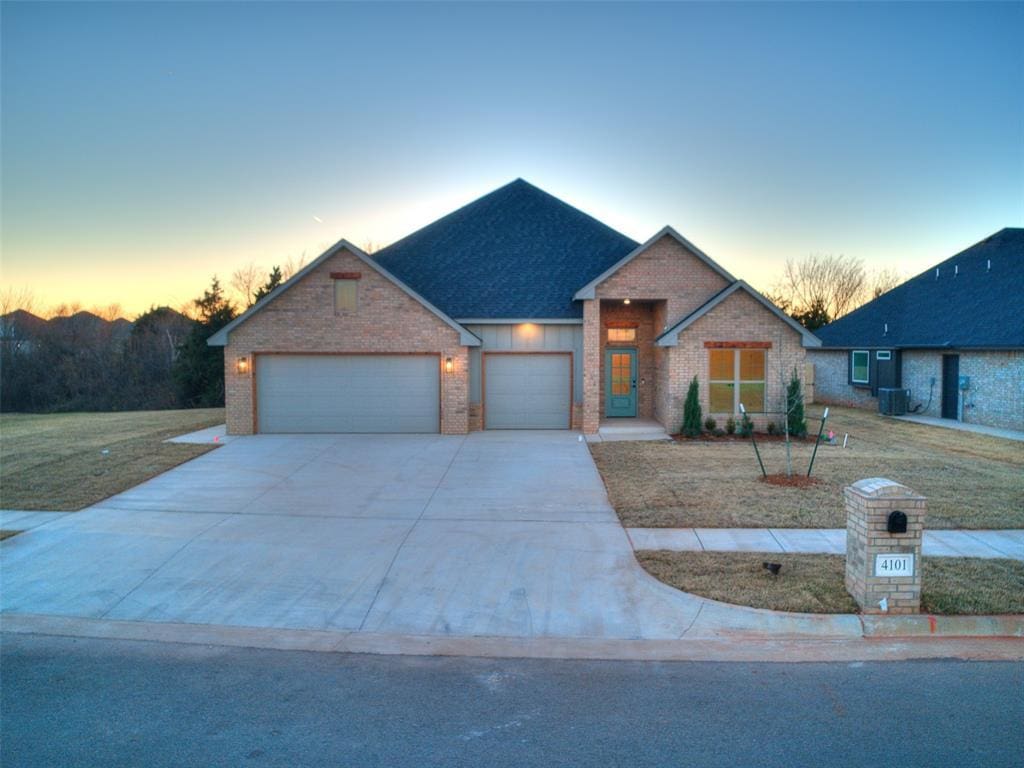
{"points": [[524, 391], [348, 393]]}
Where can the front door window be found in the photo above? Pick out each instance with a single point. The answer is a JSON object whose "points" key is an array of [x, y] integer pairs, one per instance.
{"points": [[620, 382]]}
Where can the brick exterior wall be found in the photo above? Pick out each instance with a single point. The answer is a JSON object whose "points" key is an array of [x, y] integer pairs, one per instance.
{"points": [[995, 399], [665, 271], [592, 367], [832, 380], [664, 284], [302, 320], [739, 318], [868, 504]]}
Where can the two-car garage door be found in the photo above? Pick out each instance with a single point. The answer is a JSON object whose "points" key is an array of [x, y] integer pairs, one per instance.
{"points": [[348, 393]]}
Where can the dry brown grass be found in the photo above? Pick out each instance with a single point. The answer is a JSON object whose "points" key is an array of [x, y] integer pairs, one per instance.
{"points": [[814, 583], [56, 461], [971, 481]]}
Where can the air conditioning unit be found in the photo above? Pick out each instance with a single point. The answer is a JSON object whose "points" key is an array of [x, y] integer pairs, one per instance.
{"points": [[892, 401]]}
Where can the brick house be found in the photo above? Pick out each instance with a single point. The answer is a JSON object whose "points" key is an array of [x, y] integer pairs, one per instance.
{"points": [[516, 311], [953, 336]]}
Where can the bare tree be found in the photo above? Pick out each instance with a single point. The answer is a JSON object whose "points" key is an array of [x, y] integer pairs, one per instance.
{"points": [[883, 281], [245, 281], [834, 283], [65, 310], [109, 313], [371, 247], [12, 298], [820, 288], [293, 265]]}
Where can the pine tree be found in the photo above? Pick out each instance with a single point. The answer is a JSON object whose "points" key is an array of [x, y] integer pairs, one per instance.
{"points": [[199, 368], [795, 408], [692, 415], [274, 279]]}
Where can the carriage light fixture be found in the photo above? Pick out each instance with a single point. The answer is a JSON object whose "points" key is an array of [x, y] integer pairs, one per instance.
{"points": [[449, 365], [242, 365]]}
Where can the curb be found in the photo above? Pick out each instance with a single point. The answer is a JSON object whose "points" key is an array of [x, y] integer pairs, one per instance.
{"points": [[1009, 626], [876, 645]]}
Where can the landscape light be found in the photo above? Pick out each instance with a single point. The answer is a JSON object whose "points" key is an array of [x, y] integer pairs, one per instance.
{"points": [[625, 301]]}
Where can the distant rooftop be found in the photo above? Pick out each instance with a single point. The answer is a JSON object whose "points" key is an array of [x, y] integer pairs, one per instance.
{"points": [[974, 299]]}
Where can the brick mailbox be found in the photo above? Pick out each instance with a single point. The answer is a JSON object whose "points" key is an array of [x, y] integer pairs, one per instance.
{"points": [[884, 525]]}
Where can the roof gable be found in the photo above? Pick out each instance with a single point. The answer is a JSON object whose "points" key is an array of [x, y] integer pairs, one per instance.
{"points": [[515, 252], [588, 290], [220, 338], [670, 338], [972, 299]]}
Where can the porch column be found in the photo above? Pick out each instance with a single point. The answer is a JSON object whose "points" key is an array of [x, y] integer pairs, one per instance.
{"points": [[591, 365]]}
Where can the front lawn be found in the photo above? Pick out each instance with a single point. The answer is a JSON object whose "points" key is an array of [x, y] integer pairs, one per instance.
{"points": [[814, 583], [67, 461], [970, 480]]}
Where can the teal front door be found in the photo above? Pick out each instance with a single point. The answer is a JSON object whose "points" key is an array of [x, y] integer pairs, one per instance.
{"points": [[620, 382]]}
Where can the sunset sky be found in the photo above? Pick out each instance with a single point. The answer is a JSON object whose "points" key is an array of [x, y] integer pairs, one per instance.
{"points": [[147, 147]]}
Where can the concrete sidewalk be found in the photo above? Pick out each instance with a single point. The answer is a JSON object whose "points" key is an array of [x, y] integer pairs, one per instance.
{"points": [[978, 429], [999, 543]]}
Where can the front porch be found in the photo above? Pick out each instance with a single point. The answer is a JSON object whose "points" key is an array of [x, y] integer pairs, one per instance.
{"points": [[636, 428], [627, 366]]}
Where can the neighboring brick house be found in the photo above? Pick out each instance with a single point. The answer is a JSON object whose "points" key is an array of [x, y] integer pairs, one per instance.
{"points": [[516, 311], [953, 336]]}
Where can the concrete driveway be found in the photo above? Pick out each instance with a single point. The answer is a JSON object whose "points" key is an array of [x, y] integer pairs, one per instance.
{"points": [[493, 534]]}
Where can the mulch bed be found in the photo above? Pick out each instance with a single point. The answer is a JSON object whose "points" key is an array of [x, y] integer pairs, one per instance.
{"points": [[761, 437], [790, 481]]}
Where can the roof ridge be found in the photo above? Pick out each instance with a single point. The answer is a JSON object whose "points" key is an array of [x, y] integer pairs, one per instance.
{"points": [[516, 182]]}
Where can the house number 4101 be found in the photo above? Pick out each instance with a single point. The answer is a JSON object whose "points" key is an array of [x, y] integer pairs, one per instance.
{"points": [[894, 565]]}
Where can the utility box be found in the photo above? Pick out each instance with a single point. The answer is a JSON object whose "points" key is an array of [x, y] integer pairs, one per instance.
{"points": [[884, 527], [893, 401]]}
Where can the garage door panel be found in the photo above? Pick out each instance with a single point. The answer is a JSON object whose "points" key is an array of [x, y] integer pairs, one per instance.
{"points": [[348, 393], [524, 391]]}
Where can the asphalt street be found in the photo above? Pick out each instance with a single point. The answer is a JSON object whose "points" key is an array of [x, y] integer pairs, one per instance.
{"points": [[82, 702]]}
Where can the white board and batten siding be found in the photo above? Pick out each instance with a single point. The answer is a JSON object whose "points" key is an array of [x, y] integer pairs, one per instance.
{"points": [[348, 393]]}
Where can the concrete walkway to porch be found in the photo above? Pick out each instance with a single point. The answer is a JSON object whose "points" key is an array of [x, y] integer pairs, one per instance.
{"points": [[931, 421], [992, 543]]}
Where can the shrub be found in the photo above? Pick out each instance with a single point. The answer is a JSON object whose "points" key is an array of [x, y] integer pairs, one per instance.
{"points": [[746, 426], [730, 426], [718, 432], [795, 408], [772, 429], [710, 424], [691, 410]]}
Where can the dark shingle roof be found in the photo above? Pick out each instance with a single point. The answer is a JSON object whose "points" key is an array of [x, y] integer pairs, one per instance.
{"points": [[968, 305], [517, 252]]}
